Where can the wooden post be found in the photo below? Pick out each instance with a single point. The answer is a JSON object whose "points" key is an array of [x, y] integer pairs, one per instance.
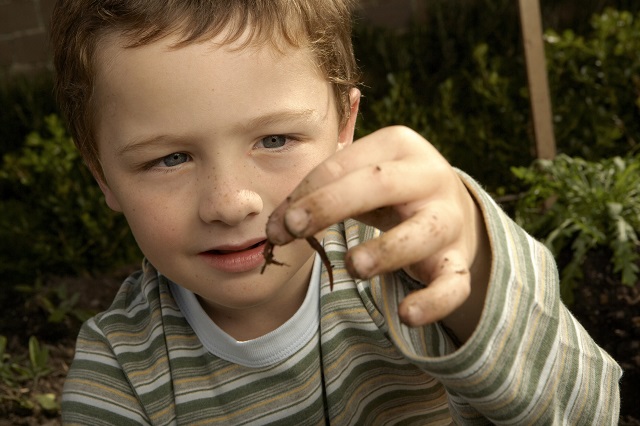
{"points": [[531, 22]]}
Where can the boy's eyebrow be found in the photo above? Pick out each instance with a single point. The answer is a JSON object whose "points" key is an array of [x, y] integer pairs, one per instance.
{"points": [[256, 122], [279, 117], [138, 144]]}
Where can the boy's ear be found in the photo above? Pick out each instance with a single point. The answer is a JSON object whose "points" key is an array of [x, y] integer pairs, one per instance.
{"points": [[109, 196], [345, 137]]}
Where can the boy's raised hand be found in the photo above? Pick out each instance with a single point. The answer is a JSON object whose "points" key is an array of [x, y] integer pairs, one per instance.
{"points": [[396, 181]]}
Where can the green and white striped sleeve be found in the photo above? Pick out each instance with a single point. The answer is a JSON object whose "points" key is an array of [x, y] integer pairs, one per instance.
{"points": [[529, 361]]}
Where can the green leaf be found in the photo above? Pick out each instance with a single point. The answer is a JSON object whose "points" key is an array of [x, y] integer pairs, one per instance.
{"points": [[594, 204], [48, 402]]}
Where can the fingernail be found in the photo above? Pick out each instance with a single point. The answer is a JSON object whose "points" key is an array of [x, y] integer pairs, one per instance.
{"points": [[277, 235], [414, 314], [296, 220], [363, 263]]}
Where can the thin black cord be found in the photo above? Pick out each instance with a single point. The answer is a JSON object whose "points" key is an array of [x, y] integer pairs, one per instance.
{"points": [[325, 400]]}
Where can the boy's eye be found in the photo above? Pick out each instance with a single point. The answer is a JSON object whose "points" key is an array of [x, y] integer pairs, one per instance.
{"points": [[174, 159], [274, 141]]}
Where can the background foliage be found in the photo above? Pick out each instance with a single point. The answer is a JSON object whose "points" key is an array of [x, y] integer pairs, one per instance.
{"points": [[471, 100], [579, 206], [55, 213], [25, 101]]}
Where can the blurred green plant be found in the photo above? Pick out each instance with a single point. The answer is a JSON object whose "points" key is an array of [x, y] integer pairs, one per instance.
{"points": [[37, 365], [16, 373], [595, 81], [6, 372], [25, 101], [579, 206], [56, 302], [54, 219], [441, 78], [473, 104], [482, 121]]}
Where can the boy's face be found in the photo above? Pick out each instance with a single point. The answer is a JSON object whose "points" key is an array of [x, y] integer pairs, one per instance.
{"points": [[198, 145]]}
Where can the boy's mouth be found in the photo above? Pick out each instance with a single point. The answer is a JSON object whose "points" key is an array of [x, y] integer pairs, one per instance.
{"points": [[244, 257], [239, 250]]}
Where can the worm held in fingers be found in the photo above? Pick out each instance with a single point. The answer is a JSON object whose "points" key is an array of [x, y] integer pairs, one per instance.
{"points": [[315, 244], [268, 257]]}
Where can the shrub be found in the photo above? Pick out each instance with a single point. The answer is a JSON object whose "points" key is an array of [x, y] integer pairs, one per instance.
{"points": [[482, 123], [475, 107], [19, 378], [54, 219], [582, 206], [595, 82], [25, 101], [441, 78]]}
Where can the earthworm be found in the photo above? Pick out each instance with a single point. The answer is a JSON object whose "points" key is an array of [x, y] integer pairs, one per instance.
{"points": [[268, 257], [315, 244]]}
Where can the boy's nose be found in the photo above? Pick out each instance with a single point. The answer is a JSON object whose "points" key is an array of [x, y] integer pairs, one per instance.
{"points": [[228, 202]]}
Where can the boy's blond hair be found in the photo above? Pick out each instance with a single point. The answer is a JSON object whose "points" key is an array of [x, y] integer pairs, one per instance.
{"points": [[78, 26]]}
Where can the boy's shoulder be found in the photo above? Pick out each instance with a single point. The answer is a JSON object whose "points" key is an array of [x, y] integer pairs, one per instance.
{"points": [[140, 295], [122, 351]]}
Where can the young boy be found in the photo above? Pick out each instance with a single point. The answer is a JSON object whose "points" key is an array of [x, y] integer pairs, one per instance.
{"points": [[216, 125]]}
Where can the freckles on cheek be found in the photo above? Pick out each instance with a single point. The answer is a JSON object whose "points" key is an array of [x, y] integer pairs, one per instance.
{"points": [[151, 225], [287, 189]]}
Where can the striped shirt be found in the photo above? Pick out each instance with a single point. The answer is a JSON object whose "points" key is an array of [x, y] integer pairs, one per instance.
{"points": [[528, 361]]}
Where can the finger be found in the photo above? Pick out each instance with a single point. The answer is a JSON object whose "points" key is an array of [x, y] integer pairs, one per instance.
{"points": [[362, 190], [352, 194], [385, 145], [417, 238], [444, 295], [368, 153], [357, 193]]}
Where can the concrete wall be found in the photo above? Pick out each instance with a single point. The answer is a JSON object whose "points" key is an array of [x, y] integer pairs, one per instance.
{"points": [[24, 26]]}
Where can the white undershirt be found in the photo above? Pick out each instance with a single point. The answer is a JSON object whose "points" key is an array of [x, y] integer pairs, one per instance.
{"points": [[269, 349]]}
